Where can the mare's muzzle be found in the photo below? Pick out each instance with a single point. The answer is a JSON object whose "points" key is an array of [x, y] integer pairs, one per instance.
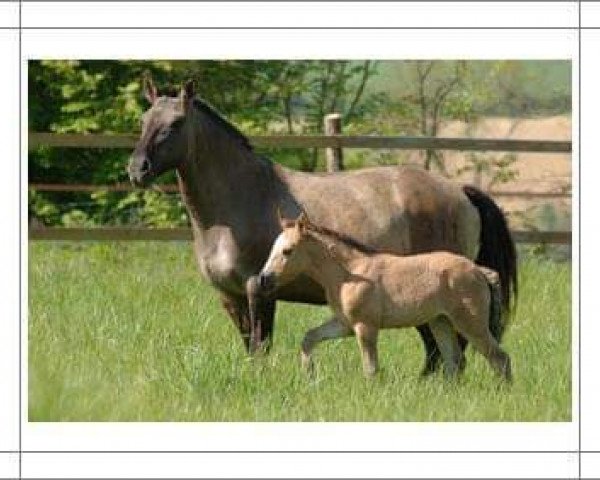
{"points": [[140, 171]]}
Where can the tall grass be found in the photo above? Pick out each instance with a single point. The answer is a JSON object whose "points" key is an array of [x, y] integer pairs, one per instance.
{"points": [[129, 331]]}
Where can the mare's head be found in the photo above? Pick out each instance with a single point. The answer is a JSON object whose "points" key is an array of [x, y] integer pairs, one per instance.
{"points": [[289, 254], [163, 142]]}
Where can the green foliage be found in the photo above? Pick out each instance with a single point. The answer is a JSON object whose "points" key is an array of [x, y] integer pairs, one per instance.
{"points": [[41, 208], [499, 168], [86, 96], [512, 88], [264, 96], [151, 342]]}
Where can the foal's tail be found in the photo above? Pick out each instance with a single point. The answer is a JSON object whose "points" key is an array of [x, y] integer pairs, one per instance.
{"points": [[497, 320], [496, 246]]}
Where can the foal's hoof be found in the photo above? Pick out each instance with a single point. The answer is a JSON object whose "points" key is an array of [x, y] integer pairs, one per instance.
{"points": [[307, 364]]}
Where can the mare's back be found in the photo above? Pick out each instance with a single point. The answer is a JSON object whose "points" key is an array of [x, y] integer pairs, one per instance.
{"points": [[403, 210]]}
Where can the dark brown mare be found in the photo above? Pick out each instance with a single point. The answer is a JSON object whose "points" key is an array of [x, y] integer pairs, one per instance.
{"points": [[232, 194]]}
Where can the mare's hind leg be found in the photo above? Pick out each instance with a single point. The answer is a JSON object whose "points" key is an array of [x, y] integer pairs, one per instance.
{"points": [[462, 342], [326, 331], [447, 342], [432, 352]]}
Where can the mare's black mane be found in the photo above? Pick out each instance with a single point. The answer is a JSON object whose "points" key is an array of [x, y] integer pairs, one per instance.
{"points": [[219, 120], [216, 118]]}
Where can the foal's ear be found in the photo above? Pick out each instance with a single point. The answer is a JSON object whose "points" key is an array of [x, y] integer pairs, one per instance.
{"points": [[283, 223], [303, 222], [333, 250], [150, 90], [187, 94]]}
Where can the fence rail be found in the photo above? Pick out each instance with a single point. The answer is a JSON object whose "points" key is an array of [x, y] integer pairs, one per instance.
{"points": [[173, 188], [338, 141], [185, 234], [70, 140]]}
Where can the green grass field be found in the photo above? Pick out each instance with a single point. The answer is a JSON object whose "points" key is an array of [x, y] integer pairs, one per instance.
{"points": [[129, 332]]}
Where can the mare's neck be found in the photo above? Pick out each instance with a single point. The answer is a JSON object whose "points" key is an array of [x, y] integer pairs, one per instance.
{"points": [[220, 179]]}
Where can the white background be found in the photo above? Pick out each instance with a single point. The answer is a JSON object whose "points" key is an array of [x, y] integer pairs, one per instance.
{"points": [[9, 258], [590, 236], [9, 15], [298, 14], [387, 44]]}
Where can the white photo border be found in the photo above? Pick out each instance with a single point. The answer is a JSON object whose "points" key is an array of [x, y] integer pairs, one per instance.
{"points": [[551, 43]]}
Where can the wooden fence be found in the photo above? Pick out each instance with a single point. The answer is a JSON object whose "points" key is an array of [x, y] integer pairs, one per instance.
{"points": [[185, 234], [334, 143], [69, 140]]}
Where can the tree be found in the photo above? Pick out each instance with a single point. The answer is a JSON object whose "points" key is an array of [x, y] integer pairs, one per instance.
{"points": [[104, 96], [439, 91]]}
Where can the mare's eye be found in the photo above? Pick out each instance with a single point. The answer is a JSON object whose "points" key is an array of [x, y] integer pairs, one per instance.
{"points": [[162, 135], [286, 252]]}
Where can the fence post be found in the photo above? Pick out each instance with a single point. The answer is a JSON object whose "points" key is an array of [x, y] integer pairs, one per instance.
{"points": [[334, 156]]}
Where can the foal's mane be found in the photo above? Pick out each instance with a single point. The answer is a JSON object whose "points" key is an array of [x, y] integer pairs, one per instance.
{"points": [[343, 239], [220, 121]]}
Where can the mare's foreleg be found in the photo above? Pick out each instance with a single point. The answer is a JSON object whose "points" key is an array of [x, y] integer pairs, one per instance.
{"points": [[265, 314], [326, 331], [237, 309], [447, 341], [262, 314]]}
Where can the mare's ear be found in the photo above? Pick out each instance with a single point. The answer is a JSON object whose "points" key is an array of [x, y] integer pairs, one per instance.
{"points": [[187, 94], [150, 90]]}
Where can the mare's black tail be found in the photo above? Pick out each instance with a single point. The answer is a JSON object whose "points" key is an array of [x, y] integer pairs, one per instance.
{"points": [[496, 246]]}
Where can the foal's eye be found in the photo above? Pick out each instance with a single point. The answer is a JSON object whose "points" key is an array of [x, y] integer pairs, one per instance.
{"points": [[286, 252]]}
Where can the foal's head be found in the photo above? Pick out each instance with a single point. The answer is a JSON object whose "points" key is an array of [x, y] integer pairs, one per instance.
{"points": [[162, 145], [289, 254]]}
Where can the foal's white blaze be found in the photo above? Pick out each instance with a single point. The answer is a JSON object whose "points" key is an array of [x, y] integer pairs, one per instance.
{"points": [[281, 243]]}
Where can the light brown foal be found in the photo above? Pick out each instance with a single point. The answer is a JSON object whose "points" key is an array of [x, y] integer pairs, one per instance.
{"points": [[368, 291]]}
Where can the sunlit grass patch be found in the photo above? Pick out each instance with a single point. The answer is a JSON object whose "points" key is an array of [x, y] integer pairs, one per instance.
{"points": [[129, 331]]}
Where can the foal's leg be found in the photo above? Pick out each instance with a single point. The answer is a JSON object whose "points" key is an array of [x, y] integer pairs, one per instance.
{"points": [[475, 328], [367, 341], [498, 358], [329, 330], [447, 341]]}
